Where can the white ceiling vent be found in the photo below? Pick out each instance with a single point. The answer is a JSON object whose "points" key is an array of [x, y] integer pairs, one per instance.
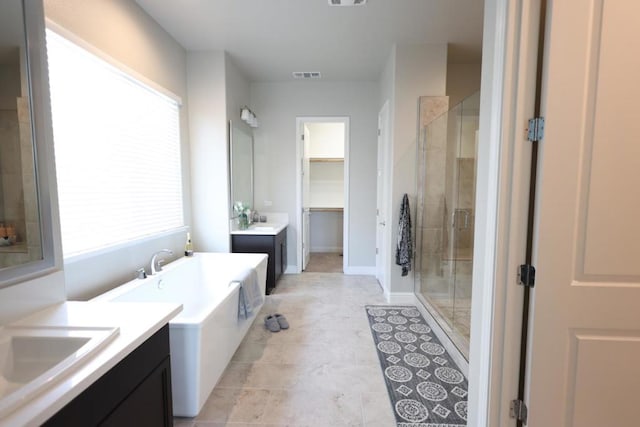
{"points": [[346, 2], [306, 75]]}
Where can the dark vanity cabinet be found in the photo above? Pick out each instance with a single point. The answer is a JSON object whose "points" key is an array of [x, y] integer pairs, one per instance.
{"points": [[135, 392], [273, 245]]}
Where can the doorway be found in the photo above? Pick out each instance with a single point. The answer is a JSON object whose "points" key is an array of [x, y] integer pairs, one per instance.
{"points": [[323, 193]]}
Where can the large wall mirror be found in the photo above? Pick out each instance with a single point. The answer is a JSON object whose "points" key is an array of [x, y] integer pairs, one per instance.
{"points": [[26, 247], [240, 166]]}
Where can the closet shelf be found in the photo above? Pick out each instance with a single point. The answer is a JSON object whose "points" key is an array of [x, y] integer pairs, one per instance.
{"points": [[326, 159], [318, 209]]}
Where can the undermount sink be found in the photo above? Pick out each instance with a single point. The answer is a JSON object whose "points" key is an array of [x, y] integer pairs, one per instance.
{"points": [[33, 358]]}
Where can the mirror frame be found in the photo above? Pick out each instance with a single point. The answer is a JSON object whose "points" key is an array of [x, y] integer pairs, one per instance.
{"points": [[232, 214], [42, 140]]}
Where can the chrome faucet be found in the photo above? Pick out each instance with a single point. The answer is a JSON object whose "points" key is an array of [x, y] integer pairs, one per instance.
{"points": [[156, 264]]}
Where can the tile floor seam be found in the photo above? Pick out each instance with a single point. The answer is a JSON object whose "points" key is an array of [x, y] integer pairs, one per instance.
{"points": [[362, 416]]}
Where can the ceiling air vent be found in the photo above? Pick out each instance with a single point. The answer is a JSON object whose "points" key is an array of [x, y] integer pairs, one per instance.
{"points": [[306, 75], [347, 2]]}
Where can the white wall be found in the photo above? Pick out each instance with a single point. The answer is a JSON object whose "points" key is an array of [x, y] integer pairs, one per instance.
{"points": [[326, 139], [462, 81], [420, 70], [122, 30], [277, 105], [326, 185], [217, 92], [326, 231], [209, 150]]}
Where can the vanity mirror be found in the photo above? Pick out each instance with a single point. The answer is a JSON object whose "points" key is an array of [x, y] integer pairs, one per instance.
{"points": [[240, 166], [26, 235]]}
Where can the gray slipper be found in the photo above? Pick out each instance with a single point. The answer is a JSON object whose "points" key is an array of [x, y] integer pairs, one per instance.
{"points": [[272, 323], [282, 321]]}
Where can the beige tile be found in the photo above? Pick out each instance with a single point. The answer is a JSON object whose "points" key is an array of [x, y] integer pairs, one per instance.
{"points": [[234, 405], [310, 375], [313, 408], [183, 422], [377, 410], [365, 354], [340, 377], [324, 262], [257, 351], [231, 424], [235, 375]]}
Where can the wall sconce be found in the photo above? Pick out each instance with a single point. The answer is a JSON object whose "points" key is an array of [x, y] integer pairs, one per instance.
{"points": [[249, 117]]}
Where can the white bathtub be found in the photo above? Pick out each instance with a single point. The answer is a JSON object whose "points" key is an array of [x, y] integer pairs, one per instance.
{"points": [[207, 332]]}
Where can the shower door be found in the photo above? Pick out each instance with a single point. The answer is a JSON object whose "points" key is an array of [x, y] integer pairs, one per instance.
{"points": [[445, 222]]}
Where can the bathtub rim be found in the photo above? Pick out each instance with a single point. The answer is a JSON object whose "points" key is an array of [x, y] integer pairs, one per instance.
{"points": [[194, 321]]}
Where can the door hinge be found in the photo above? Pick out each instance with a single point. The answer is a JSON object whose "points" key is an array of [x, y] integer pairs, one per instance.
{"points": [[535, 131], [376, 251], [518, 410], [527, 275], [303, 137], [378, 132]]}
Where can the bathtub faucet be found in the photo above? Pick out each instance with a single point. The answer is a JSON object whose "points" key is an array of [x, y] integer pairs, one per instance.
{"points": [[156, 263]]}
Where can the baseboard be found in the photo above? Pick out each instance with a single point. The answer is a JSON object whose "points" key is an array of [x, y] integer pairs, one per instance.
{"points": [[401, 298], [360, 271], [291, 269]]}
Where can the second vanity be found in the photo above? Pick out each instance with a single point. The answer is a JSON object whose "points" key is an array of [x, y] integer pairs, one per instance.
{"points": [[128, 374], [265, 238]]}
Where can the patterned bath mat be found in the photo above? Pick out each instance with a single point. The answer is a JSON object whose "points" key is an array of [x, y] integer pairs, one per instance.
{"points": [[424, 384]]}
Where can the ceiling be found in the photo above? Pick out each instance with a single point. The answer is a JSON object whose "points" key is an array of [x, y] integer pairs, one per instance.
{"points": [[270, 39]]}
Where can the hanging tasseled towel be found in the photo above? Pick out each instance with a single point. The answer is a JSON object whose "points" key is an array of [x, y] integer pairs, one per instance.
{"points": [[404, 247]]}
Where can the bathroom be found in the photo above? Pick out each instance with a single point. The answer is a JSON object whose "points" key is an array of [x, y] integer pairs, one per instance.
{"points": [[328, 344], [212, 91]]}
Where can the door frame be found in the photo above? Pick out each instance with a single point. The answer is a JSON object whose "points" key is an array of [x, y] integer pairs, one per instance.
{"points": [[382, 199], [507, 101], [300, 121]]}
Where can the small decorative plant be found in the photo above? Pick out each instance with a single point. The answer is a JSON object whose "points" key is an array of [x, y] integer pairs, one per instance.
{"points": [[242, 211]]}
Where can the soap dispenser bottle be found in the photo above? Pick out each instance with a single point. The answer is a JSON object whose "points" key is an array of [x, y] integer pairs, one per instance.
{"points": [[188, 247]]}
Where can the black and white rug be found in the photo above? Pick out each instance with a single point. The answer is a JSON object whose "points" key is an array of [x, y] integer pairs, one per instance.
{"points": [[424, 384]]}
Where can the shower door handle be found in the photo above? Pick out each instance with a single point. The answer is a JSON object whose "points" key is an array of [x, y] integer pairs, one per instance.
{"points": [[455, 215]]}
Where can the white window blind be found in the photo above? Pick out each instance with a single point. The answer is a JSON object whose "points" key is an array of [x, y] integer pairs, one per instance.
{"points": [[117, 149]]}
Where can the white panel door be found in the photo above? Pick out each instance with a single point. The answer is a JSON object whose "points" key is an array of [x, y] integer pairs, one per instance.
{"points": [[382, 258], [306, 235], [584, 348]]}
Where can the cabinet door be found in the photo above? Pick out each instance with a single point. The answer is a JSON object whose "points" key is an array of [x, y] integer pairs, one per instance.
{"points": [[144, 376], [283, 251], [149, 405]]}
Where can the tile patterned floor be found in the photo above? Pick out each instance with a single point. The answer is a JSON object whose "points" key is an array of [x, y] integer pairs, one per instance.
{"points": [[322, 372]]}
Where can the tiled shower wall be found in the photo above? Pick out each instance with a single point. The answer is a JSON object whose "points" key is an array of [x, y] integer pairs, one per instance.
{"points": [[432, 107]]}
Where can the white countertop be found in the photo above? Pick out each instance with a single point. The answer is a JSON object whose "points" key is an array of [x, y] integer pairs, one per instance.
{"points": [[276, 222], [268, 228], [137, 322]]}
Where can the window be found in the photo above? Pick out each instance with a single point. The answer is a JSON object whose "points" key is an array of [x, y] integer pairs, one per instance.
{"points": [[117, 149]]}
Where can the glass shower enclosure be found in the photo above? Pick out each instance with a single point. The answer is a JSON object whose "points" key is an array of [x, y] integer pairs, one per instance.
{"points": [[447, 148]]}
